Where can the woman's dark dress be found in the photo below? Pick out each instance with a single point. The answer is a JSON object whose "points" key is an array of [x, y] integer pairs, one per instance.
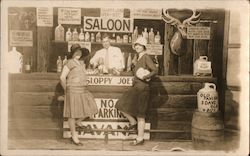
{"points": [[135, 100]]}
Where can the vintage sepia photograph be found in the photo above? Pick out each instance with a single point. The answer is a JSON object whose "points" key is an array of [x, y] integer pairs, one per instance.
{"points": [[107, 77]]}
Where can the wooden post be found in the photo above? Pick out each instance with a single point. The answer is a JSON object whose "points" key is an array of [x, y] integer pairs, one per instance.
{"points": [[44, 38], [167, 52], [186, 61], [200, 46]]}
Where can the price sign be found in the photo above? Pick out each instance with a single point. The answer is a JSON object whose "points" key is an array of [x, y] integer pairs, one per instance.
{"points": [[21, 38], [199, 33], [69, 15], [45, 17]]}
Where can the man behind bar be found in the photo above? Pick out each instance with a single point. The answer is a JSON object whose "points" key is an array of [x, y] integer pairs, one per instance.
{"points": [[109, 56]]}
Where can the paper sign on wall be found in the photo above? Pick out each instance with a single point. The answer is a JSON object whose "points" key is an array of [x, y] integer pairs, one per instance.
{"points": [[200, 33], [154, 49], [82, 44], [21, 38], [95, 24], [112, 12], [146, 13], [44, 17], [69, 15]]}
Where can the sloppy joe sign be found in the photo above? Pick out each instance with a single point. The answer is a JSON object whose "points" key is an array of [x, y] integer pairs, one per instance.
{"points": [[99, 24]]}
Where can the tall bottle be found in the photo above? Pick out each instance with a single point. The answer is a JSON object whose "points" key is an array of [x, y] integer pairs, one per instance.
{"points": [[27, 66], [98, 37], [59, 64], [65, 60], [81, 35], [151, 36], [75, 35], [158, 38], [59, 33], [92, 38], [135, 34], [129, 62], [87, 37], [68, 35], [145, 34]]}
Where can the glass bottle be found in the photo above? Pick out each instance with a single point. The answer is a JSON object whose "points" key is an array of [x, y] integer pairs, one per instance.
{"points": [[156, 62], [59, 33], [98, 37], [65, 60], [158, 38], [87, 37], [81, 35], [59, 64], [135, 34], [145, 34], [92, 37], [151, 36], [75, 35], [68, 35], [129, 62], [27, 67]]}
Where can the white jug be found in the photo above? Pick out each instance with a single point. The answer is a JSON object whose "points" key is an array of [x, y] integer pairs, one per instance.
{"points": [[202, 67]]}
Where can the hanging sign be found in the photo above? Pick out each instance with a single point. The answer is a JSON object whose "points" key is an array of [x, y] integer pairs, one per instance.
{"points": [[82, 44], [154, 49], [199, 33], [21, 38], [112, 12], [90, 126], [99, 24], [146, 14], [69, 15], [110, 80], [107, 110], [44, 17]]}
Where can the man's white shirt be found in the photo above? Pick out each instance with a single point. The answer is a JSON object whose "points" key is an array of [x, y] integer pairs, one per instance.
{"points": [[115, 59]]}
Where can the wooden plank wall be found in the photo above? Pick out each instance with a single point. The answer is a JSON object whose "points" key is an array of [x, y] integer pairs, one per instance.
{"points": [[35, 113]]}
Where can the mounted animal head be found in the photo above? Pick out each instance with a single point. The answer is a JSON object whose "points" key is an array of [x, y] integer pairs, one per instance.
{"points": [[181, 26]]}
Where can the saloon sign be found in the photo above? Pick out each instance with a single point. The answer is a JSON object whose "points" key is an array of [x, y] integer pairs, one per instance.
{"points": [[108, 24]]}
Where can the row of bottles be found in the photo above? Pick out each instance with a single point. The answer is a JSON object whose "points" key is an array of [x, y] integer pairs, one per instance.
{"points": [[60, 35], [60, 63], [150, 36], [86, 36]]}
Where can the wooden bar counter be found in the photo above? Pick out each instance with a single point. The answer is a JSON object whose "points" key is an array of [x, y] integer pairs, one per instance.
{"points": [[34, 111]]}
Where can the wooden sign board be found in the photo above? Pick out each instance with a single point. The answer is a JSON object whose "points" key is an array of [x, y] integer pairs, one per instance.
{"points": [[199, 33], [108, 24], [146, 13], [44, 17], [107, 110], [112, 12], [110, 80], [69, 15], [104, 125], [82, 44], [21, 38], [154, 49]]}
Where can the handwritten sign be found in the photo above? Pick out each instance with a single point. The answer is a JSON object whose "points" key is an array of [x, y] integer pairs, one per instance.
{"points": [[200, 33], [100, 24], [69, 15], [44, 17], [21, 38], [154, 49], [82, 44], [107, 110], [110, 80], [146, 13], [112, 12], [104, 125]]}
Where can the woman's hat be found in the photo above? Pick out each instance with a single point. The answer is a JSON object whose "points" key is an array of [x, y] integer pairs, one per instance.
{"points": [[141, 41], [73, 49], [85, 52]]}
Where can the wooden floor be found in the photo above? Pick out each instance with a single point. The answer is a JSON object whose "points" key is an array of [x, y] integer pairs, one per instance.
{"points": [[231, 143]]}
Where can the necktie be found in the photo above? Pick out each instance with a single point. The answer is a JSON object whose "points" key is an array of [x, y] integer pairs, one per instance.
{"points": [[106, 61]]}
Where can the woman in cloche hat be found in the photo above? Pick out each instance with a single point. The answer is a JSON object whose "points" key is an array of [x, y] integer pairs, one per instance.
{"points": [[133, 104]]}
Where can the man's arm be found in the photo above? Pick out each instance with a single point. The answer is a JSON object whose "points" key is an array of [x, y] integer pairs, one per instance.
{"points": [[94, 60]]}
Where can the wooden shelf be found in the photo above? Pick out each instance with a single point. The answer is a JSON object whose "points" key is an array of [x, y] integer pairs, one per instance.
{"points": [[94, 43]]}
